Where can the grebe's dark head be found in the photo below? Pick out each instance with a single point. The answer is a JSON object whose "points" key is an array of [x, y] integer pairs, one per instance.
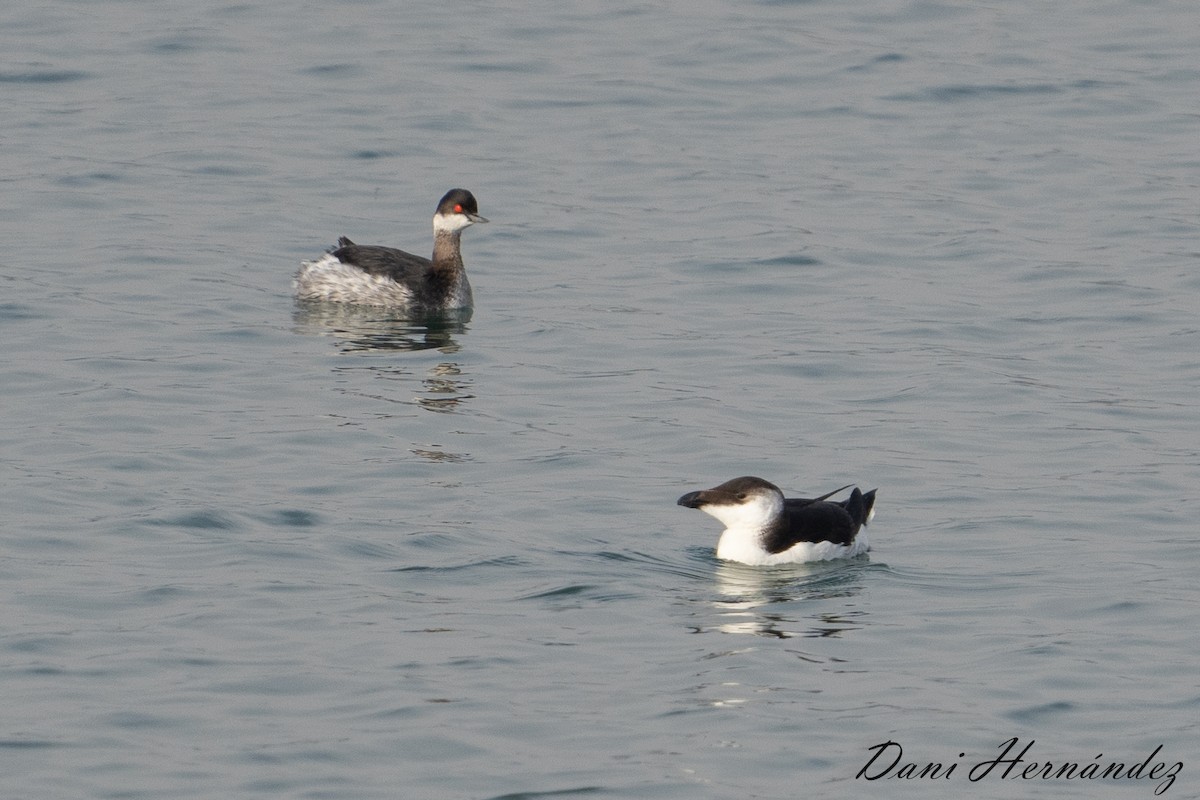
{"points": [[455, 211]]}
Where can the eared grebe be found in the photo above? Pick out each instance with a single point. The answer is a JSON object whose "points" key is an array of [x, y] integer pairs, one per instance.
{"points": [[762, 528], [384, 276]]}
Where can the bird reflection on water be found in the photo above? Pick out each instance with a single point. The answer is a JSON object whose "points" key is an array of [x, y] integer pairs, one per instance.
{"points": [[771, 602], [360, 329]]}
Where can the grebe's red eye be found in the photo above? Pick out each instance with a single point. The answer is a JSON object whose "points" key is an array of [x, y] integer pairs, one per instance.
{"points": [[458, 209]]}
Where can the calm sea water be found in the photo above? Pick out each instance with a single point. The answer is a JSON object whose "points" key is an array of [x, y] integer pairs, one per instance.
{"points": [[252, 550]]}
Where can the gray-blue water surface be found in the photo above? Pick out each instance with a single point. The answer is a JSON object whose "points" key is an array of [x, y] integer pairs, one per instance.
{"points": [[253, 550]]}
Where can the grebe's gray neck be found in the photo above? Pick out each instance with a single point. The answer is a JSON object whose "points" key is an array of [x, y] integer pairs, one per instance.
{"points": [[447, 253]]}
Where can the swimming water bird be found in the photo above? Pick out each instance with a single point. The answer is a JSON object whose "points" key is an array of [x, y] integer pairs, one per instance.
{"points": [[763, 528], [384, 276]]}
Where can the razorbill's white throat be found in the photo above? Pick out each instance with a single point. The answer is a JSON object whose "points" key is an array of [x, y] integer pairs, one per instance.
{"points": [[764, 528]]}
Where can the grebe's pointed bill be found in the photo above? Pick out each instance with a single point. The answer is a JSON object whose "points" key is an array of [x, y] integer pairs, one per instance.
{"points": [[764, 528]]}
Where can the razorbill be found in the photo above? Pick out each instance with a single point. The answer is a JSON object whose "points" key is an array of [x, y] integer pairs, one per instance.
{"points": [[763, 528]]}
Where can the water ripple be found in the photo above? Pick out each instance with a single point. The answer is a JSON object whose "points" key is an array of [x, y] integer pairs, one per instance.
{"points": [[36, 76]]}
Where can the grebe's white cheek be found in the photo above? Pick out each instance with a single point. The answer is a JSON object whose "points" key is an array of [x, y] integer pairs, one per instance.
{"points": [[450, 223]]}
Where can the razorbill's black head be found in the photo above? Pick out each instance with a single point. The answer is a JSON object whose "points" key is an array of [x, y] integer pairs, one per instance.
{"points": [[762, 527]]}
